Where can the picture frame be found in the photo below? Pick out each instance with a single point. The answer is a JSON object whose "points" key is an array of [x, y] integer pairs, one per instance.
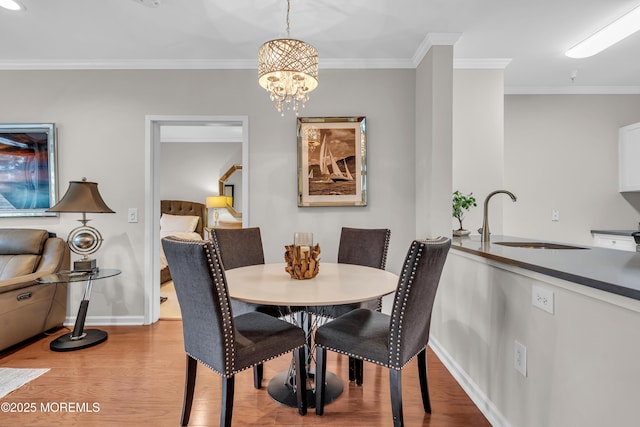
{"points": [[28, 172], [332, 164], [229, 190]]}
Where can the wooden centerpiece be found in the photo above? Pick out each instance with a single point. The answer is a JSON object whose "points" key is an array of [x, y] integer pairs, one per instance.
{"points": [[302, 261]]}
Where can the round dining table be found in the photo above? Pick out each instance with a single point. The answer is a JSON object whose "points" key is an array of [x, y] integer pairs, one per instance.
{"points": [[336, 283]]}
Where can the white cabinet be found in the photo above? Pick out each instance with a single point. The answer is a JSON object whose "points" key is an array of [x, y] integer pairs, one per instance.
{"points": [[629, 157], [614, 241]]}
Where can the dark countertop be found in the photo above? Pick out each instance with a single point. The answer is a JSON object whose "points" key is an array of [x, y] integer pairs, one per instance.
{"points": [[615, 232], [609, 270]]}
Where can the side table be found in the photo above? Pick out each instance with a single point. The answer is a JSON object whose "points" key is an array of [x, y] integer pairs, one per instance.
{"points": [[80, 338]]}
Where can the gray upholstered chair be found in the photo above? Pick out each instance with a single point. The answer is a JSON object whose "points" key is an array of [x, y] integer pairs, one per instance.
{"points": [[390, 340], [242, 247], [213, 336], [360, 246]]}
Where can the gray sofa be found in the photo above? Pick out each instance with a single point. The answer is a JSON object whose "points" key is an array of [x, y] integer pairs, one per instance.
{"points": [[26, 307]]}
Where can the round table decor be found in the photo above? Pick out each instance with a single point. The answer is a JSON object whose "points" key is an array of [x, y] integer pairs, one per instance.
{"points": [[302, 261]]}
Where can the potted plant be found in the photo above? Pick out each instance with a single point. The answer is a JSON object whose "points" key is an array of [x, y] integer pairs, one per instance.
{"points": [[462, 204]]}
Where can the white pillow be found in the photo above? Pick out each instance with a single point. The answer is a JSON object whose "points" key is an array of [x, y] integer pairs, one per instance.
{"points": [[181, 223]]}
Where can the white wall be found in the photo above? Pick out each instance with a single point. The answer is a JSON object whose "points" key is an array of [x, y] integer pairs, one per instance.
{"points": [[100, 116], [478, 145], [190, 171], [582, 361], [561, 152], [433, 152]]}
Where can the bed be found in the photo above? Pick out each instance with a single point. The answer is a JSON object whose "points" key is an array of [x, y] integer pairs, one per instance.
{"points": [[183, 219]]}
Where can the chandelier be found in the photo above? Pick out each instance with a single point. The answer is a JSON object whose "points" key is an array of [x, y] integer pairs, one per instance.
{"points": [[288, 70]]}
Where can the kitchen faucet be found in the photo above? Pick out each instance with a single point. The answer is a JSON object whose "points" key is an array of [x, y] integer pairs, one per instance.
{"points": [[485, 221]]}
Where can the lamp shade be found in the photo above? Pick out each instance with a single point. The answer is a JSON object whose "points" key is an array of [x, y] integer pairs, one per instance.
{"points": [[216, 201], [81, 196]]}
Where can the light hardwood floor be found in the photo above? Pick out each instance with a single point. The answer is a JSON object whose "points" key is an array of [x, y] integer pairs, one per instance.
{"points": [[136, 379], [170, 309]]}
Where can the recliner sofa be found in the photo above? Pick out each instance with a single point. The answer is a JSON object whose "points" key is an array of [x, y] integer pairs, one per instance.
{"points": [[26, 307]]}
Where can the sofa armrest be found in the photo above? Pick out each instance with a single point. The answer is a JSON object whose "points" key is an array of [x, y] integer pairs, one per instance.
{"points": [[55, 257], [20, 281]]}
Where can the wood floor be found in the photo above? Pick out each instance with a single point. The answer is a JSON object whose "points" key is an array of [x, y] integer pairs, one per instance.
{"points": [[136, 377]]}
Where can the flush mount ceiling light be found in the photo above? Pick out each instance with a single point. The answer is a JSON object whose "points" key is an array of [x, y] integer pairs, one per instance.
{"points": [[288, 70], [611, 34], [11, 5]]}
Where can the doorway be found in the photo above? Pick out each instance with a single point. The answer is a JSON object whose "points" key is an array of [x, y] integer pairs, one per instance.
{"points": [[153, 128]]}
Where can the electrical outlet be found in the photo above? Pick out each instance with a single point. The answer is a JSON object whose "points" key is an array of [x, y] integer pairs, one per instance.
{"points": [[542, 298], [555, 215], [132, 215], [520, 358]]}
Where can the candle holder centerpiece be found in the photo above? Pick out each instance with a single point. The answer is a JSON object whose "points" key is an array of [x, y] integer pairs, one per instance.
{"points": [[302, 257]]}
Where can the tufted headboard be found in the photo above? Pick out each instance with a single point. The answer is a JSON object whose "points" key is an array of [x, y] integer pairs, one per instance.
{"points": [[182, 207]]}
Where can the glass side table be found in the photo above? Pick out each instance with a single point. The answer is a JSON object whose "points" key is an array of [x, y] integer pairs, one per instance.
{"points": [[80, 338]]}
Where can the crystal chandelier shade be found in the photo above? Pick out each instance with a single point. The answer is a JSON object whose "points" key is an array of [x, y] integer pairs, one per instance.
{"points": [[288, 70]]}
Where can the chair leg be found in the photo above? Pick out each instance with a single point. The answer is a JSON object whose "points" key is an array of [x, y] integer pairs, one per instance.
{"points": [[359, 371], [189, 385], [257, 375], [422, 374], [226, 410], [321, 368], [352, 369], [301, 379], [395, 383]]}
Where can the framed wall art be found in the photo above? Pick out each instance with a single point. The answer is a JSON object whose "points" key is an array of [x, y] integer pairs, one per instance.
{"points": [[28, 179], [332, 167]]}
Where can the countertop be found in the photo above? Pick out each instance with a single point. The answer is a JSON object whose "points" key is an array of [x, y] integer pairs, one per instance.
{"points": [[608, 270], [615, 232]]}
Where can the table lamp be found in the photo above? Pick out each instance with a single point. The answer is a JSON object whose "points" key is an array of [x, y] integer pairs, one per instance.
{"points": [[83, 197], [216, 202]]}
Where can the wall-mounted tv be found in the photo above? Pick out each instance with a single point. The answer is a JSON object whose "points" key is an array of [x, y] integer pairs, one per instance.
{"points": [[28, 179]]}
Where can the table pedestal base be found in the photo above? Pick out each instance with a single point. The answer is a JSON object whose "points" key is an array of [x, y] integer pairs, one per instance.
{"points": [[65, 343], [281, 390]]}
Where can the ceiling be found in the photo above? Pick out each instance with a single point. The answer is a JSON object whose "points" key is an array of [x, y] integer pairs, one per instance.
{"points": [[529, 36]]}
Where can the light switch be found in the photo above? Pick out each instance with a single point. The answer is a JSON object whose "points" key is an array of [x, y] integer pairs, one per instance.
{"points": [[132, 215]]}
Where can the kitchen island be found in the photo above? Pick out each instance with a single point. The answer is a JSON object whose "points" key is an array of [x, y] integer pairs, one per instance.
{"points": [[581, 356], [612, 271]]}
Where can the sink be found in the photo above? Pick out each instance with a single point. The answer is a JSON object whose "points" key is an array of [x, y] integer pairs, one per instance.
{"points": [[537, 245]]}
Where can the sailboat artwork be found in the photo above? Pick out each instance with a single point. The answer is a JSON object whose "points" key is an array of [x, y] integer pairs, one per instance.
{"points": [[329, 170], [331, 162]]}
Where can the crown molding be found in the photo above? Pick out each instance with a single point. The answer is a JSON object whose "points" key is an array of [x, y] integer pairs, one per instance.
{"points": [[360, 63], [433, 39], [186, 64], [128, 64], [329, 63], [572, 90]]}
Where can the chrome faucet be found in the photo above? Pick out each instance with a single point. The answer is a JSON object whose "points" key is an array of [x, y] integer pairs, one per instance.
{"points": [[485, 221]]}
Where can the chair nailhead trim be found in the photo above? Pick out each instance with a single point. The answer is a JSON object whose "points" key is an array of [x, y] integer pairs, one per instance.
{"points": [[400, 302]]}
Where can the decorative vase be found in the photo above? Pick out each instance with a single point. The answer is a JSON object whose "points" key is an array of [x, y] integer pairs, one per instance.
{"points": [[460, 233], [302, 261]]}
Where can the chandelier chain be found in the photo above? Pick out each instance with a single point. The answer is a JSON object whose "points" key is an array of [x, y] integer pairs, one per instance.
{"points": [[288, 70], [288, 24]]}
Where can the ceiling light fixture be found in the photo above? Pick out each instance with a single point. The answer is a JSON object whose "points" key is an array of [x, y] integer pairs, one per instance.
{"points": [[611, 34], [11, 5], [288, 70]]}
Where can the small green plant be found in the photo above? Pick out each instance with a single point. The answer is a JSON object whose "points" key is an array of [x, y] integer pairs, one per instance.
{"points": [[461, 204]]}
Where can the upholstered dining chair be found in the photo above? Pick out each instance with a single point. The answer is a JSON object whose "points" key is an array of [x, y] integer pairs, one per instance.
{"points": [[242, 247], [213, 336], [360, 246], [390, 340]]}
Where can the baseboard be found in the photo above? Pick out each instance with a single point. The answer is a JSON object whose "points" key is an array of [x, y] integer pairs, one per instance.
{"points": [[479, 398], [107, 321]]}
